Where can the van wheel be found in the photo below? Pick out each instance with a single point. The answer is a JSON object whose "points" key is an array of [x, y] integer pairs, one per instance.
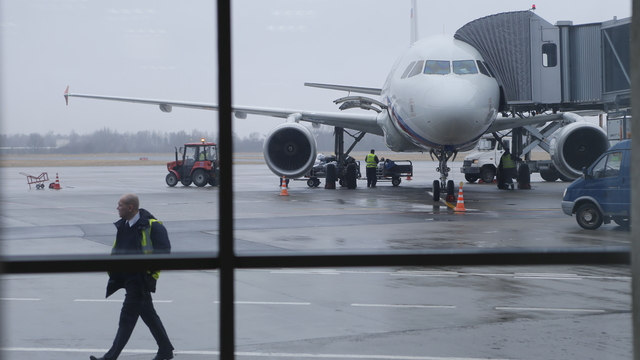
{"points": [[589, 216], [471, 178], [487, 174]]}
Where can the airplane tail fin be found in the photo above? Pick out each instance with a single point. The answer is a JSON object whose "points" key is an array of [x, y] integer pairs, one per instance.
{"points": [[414, 21]]}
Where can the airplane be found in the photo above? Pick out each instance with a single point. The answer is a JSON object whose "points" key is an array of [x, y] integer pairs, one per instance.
{"points": [[439, 97]]}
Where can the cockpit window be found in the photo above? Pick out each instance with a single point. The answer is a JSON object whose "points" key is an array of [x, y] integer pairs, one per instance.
{"points": [[439, 67], [406, 72], [483, 69], [417, 69], [464, 67]]}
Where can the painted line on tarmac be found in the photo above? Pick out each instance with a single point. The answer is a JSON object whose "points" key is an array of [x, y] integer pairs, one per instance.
{"points": [[547, 309], [19, 299], [266, 303], [406, 306], [117, 300], [255, 354]]}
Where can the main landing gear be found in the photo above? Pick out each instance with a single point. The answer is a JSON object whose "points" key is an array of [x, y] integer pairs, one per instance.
{"points": [[442, 185]]}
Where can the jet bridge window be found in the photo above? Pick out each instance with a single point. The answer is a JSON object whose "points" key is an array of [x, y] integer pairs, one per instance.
{"points": [[406, 72], [464, 67], [417, 69], [439, 67], [549, 55]]}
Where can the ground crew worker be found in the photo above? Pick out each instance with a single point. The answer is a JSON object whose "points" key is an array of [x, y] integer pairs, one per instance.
{"points": [[138, 232], [506, 170], [372, 164]]}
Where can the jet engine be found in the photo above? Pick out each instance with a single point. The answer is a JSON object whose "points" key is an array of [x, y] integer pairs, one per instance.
{"points": [[290, 150], [576, 146]]}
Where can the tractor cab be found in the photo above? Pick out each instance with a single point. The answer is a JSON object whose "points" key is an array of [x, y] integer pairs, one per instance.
{"points": [[199, 165]]}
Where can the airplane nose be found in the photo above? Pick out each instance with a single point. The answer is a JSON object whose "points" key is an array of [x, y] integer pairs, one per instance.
{"points": [[451, 95], [455, 112]]}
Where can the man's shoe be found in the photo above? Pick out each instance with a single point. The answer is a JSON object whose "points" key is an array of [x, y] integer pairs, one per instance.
{"points": [[162, 357]]}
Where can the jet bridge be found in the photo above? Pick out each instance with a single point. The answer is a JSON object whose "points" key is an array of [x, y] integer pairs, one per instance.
{"points": [[542, 67], [565, 67]]}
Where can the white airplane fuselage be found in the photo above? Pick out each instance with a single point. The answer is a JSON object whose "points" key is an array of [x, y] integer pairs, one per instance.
{"points": [[439, 96]]}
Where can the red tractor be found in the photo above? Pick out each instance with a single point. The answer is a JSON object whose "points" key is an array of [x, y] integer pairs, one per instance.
{"points": [[199, 165]]}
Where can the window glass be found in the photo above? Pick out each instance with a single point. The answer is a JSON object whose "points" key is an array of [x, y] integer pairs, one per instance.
{"points": [[609, 166], [549, 55], [483, 69], [439, 67], [417, 69], [406, 71], [464, 67]]}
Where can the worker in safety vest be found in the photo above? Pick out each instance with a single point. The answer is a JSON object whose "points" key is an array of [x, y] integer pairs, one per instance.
{"points": [[372, 163], [138, 232], [506, 170]]}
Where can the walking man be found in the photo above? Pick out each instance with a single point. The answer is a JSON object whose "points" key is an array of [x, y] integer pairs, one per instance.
{"points": [[138, 232], [372, 164]]}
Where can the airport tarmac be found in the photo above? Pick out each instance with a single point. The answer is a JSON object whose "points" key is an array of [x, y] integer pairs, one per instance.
{"points": [[515, 312]]}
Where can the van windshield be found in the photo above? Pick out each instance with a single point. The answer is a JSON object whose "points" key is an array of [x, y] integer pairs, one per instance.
{"points": [[486, 144], [608, 166]]}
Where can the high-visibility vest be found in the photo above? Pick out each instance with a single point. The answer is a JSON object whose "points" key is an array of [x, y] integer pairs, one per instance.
{"points": [[147, 245], [371, 160], [507, 162]]}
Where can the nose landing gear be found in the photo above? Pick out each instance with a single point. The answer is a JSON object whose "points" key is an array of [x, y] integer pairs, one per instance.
{"points": [[442, 185]]}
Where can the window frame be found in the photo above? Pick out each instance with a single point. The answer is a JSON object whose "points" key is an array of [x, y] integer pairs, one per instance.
{"points": [[227, 261]]}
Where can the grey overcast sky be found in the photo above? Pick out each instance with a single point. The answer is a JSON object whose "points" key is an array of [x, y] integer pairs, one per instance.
{"points": [[166, 49]]}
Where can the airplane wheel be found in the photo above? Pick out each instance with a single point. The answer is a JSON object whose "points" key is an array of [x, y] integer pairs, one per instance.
{"points": [[549, 175], [450, 188], [436, 190], [351, 176], [622, 221]]}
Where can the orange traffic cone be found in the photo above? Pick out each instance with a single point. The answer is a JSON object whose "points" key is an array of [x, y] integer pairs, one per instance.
{"points": [[284, 191], [56, 185], [460, 204]]}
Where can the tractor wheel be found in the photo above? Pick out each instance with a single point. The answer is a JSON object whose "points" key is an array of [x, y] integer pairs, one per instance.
{"points": [[200, 178], [171, 179], [185, 182]]}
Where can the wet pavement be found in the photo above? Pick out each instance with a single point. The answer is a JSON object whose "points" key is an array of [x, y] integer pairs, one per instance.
{"points": [[515, 312]]}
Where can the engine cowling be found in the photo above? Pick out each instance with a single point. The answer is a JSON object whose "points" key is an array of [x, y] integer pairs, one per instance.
{"points": [[575, 146], [290, 150]]}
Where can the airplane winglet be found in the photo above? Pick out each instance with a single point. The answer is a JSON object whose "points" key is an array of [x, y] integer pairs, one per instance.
{"points": [[66, 95]]}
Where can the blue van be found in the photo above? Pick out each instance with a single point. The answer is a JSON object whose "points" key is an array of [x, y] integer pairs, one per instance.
{"points": [[603, 193]]}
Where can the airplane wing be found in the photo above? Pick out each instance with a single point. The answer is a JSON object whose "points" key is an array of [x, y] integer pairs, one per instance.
{"points": [[357, 89], [359, 122], [510, 123]]}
